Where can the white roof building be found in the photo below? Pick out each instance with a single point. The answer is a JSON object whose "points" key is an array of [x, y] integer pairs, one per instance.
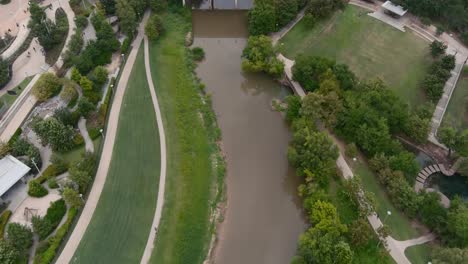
{"points": [[396, 9], [11, 171]]}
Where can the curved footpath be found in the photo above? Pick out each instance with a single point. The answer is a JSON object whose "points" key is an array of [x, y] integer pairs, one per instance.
{"points": [[162, 177], [109, 140]]}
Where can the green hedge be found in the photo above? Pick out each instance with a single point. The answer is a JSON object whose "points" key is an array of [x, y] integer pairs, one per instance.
{"points": [[35, 189], [50, 172], [44, 226], [48, 255], [3, 221]]}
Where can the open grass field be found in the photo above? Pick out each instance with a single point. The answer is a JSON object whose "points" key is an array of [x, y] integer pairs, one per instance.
{"points": [[420, 254], [370, 47], [122, 221], [185, 230], [400, 225], [456, 114], [76, 154]]}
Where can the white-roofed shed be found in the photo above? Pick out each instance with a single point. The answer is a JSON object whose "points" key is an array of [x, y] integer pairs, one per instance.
{"points": [[11, 171], [394, 9]]}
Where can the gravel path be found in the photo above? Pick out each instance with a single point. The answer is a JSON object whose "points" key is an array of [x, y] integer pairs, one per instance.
{"points": [[162, 178]]}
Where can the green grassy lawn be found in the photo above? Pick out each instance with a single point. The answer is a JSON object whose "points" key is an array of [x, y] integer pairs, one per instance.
{"points": [[400, 225], [456, 114], [371, 48], [185, 229], [9, 99], [420, 254], [76, 154], [120, 226]]}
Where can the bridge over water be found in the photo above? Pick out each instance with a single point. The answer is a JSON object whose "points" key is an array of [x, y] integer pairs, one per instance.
{"points": [[221, 4]]}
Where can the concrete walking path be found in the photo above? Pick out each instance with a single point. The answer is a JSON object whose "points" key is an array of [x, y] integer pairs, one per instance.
{"points": [[162, 178], [275, 37], [109, 140], [89, 146]]}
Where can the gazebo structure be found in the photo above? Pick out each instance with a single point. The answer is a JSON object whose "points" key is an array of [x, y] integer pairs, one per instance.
{"points": [[393, 10], [11, 171]]}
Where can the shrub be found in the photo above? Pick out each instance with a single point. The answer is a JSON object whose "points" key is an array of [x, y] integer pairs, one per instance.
{"points": [[47, 85], [20, 236], [158, 5], [69, 93], [125, 45], [52, 183], [81, 21], [99, 76], [294, 107], [4, 72], [198, 54], [66, 117], [50, 172], [351, 150], [3, 221], [8, 253], [85, 107], [46, 225], [72, 197], [36, 189], [153, 27], [48, 255]]}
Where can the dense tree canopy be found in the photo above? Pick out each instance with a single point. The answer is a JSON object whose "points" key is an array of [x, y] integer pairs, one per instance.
{"points": [[153, 27], [47, 86], [53, 132], [259, 56]]}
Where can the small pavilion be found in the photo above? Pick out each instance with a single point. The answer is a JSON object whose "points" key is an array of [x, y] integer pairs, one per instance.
{"points": [[11, 171], [395, 11]]}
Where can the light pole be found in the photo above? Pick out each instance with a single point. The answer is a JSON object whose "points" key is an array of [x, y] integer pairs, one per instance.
{"points": [[102, 134], [35, 165], [385, 219]]}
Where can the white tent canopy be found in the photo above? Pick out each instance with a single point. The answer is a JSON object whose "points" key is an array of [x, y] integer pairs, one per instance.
{"points": [[11, 171], [396, 9]]}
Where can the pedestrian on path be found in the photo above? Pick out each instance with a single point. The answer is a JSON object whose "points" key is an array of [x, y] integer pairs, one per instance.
{"points": [[34, 48]]}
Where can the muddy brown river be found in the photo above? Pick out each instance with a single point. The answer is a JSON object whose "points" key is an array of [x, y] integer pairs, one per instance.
{"points": [[264, 218]]}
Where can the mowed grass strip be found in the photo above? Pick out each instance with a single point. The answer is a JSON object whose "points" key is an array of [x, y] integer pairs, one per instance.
{"points": [[456, 114], [420, 254], [122, 221], [370, 47], [185, 230]]}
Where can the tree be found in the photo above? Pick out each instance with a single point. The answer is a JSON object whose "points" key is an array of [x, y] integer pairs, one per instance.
{"points": [[153, 27], [437, 48], [20, 236], [158, 5], [450, 256], [308, 69], [457, 223], [286, 11], [262, 18], [46, 86], [109, 6], [127, 16], [86, 83], [323, 8], [259, 56], [35, 189], [85, 107], [72, 197], [431, 211], [8, 253], [343, 253], [53, 132], [294, 107], [313, 154], [80, 177], [360, 232], [75, 75], [64, 115], [449, 137], [99, 76]]}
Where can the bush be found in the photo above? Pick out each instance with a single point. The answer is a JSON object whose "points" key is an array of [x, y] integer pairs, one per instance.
{"points": [[85, 107], [50, 172], [52, 183], [99, 77], [4, 72], [198, 54], [78, 140], [36, 189], [125, 45], [351, 150], [47, 86], [3, 221], [437, 48], [66, 117], [8, 253], [48, 255], [158, 5], [46, 225], [153, 27], [20, 236], [81, 21]]}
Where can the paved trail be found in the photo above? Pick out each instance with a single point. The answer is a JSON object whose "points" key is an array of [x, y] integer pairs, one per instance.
{"points": [[89, 146], [109, 140], [162, 178]]}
